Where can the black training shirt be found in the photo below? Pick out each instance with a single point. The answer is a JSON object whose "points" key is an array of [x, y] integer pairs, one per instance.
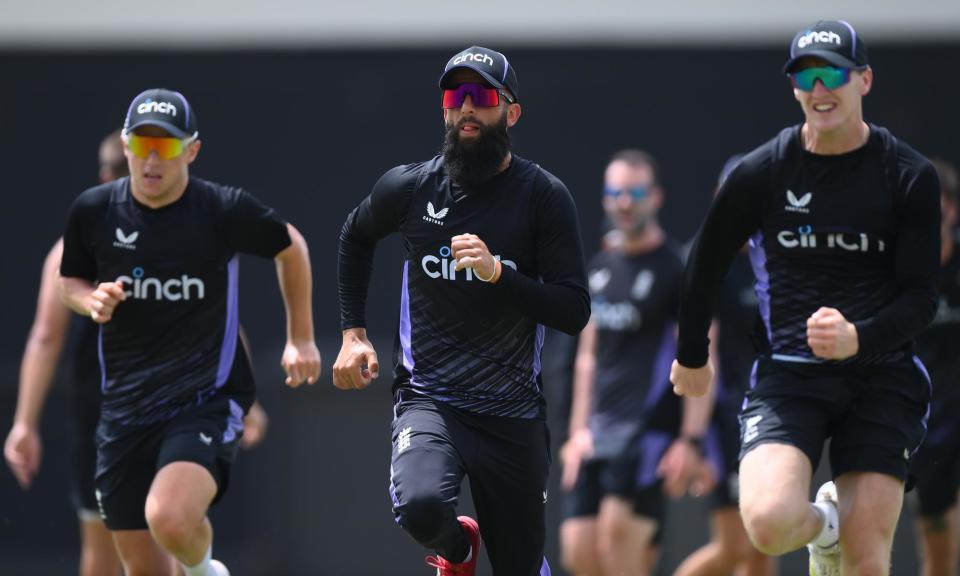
{"points": [[471, 344], [173, 342], [858, 232]]}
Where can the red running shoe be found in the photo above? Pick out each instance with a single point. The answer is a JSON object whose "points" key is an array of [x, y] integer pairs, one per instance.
{"points": [[447, 568]]}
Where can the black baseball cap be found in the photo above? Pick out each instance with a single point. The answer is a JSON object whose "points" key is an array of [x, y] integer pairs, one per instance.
{"points": [[833, 40], [164, 108], [492, 65]]}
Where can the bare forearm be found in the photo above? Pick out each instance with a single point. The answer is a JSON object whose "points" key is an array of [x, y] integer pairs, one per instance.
{"points": [[293, 273], [582, 388], [36, 375], [76, 294], [697, 411], [583, 374], [696, 415], [44, 343]]}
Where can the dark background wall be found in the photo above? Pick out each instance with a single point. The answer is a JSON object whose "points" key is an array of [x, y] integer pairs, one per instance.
{"points": [[309, 132]]}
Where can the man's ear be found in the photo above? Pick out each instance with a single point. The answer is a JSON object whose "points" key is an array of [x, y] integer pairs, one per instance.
{"points": [[513, 114]]}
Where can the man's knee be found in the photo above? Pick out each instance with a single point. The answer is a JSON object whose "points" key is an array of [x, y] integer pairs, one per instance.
{"points": [[612, 532], [769, 526], [425, 517], [578, 560], [578, 550], [169, 524]]}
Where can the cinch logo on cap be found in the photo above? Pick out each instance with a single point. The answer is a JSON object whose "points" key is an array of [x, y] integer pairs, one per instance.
{"points": [[817, 37], [478, 57], [153, 106]]}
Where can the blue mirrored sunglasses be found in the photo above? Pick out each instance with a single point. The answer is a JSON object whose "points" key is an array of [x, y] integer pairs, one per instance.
{"points": [[832, 77], [637, 193]]}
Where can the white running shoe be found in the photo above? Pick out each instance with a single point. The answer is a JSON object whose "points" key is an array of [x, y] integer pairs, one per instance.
{"points": [[218, 568], [825, 560]]}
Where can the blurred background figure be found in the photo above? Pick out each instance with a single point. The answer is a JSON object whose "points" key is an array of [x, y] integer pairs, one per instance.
{"points": [[630, 438], [938, 461], [730, 550], [51, 325]]}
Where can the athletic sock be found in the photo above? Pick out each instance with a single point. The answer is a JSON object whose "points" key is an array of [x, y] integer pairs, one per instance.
{"points": [[830, 532]]}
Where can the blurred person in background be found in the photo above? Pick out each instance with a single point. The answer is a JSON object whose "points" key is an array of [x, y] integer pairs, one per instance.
{"points": [[493, 256], [730, 550], [53, 327], [938, 461], [176, 380], [843, 221], [630, 438]]}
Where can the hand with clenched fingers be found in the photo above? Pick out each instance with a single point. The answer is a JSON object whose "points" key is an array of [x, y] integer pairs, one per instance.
{"points": [[104, 299], [357, 365]]}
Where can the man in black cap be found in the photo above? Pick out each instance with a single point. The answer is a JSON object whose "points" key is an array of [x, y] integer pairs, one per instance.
{"points": [[493, 256], [843, 223], [153, 258]]}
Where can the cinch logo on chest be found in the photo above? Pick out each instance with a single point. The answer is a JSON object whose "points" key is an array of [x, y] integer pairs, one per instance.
{"points": [[446, 267], [615, 316], [139, 287], [435, 217], [806, 237]]}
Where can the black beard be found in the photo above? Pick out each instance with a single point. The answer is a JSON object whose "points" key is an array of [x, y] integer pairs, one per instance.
{"points": [[476, 161]]}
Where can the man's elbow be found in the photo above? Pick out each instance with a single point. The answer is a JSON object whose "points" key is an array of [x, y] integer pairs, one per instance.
{"points": [[45, 339], [298, 246], [579, 314]]}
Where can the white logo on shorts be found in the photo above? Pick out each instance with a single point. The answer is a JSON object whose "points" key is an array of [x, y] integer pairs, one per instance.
{"points": [[544, 496], [206, 439], [750, 429], [403, 440], [103, 514]]}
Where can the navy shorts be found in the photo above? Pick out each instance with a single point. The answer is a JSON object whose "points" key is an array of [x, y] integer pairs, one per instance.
{"points": [[83, 453], [875, 416], [722, 447], [207, 435], [937, 464], [632, 477]]}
